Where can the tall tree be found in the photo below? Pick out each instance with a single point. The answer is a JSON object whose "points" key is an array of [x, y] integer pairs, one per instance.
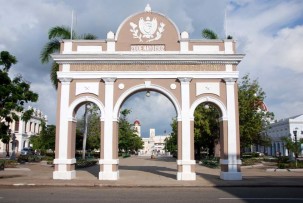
{"points": [[253, 114], [128, 139], [89, 128], [14, 93], [55, 35], [206, 129]]}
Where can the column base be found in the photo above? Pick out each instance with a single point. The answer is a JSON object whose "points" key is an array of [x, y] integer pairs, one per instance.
{"points": [[186, 176], [64, 175], [114, 175], [231, 175]]}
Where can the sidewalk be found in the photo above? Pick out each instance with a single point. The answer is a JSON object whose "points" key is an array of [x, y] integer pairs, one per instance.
{"points": [[144, 172]]}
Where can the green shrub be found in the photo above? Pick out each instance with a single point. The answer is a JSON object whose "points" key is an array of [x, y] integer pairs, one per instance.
{"points": [[282, 165], [8, 163], [294, 165], [29, 158], [82, 163], [210, 162], [125, 155]]}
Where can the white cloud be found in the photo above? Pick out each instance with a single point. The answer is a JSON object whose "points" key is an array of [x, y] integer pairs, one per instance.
{"points": [[268, 32]]}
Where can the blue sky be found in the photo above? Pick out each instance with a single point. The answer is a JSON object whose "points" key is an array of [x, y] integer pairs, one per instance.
{"points": [[269, 32]]}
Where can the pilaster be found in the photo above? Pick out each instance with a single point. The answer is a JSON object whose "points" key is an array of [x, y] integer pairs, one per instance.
{"points": [[232, 162], [185, 164]]}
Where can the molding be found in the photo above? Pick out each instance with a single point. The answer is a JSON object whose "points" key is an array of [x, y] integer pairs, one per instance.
{"points": [[148, 75], [109, 80], [64, 175], [108, 161], [186, 162], [64, 161], [185, 79], [149, 58]]}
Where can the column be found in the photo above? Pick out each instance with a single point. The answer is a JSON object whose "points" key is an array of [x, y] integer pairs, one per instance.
{"points": [[233, 146], [64, 164], [187, 163], [108, 163]]}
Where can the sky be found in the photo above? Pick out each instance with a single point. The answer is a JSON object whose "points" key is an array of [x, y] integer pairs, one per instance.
{"points": [[268, 32]]}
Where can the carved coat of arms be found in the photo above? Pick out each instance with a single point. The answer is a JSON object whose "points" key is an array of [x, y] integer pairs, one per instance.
{"points": [[149, 30]]}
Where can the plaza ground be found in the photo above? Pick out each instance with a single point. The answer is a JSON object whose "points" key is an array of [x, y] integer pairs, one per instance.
{"points": [[145, 172]]}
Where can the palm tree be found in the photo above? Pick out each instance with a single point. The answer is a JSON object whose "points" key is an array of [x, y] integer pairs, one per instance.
{"points": [[209, 34], [55, 35]]}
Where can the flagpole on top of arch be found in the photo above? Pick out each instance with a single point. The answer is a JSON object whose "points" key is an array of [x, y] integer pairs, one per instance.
{"points": [[71, 27]]}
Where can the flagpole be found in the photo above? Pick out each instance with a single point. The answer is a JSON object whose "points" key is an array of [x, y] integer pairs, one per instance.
{"points": [[71, 27]]}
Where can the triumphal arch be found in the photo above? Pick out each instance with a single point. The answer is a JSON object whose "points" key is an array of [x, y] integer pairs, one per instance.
{"points": [[147, 53]]}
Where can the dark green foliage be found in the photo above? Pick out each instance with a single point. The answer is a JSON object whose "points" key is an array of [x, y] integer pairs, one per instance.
{"points": [[55, 35], [129, 141], [29, 158], [207, 130], [209, 34], [83, 163], [292, 146], [93, 129], [253, 117], [171, 142], [210, 162], [4, 163], [46, 139], [14, 94]]}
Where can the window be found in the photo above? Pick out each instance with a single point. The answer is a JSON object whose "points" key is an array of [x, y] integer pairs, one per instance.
{"points": [[16, 126]]}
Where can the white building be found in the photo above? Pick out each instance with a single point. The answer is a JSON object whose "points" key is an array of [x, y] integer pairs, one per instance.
{"points": [[24, 130], [282, 128], [154, 144]]}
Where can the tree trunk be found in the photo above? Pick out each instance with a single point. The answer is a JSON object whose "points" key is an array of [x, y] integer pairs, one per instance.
{"points": [[7, 149], [85, 131]]}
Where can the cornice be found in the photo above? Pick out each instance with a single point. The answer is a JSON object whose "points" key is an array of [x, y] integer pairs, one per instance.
{"points": [[128, 58]]}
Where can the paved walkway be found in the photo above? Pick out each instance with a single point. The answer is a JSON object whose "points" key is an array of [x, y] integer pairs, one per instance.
{"points": [[146, 172]]}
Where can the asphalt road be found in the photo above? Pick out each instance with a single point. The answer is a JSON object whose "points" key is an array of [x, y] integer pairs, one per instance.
{"points": [[154, 195]]}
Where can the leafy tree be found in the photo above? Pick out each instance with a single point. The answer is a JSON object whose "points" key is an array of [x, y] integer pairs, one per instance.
{"points": [[46, 139], [128, 139], [253, 115], [88, 137], [209, 34], [171, 143], [14, 93], [207, 130]]}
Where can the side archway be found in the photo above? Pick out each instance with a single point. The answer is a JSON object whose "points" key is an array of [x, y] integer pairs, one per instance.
{"points": [[74, 105], [212, 100]]}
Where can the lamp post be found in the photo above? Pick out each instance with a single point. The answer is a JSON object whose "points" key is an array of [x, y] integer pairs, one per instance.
{"points": [[296, 141], [296, 146], [13, 156]]}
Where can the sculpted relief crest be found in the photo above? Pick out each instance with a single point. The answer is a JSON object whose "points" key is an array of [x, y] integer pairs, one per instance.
{"points": [[147, 30]]}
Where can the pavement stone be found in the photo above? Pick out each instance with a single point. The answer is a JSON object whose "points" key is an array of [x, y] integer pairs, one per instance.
{"points": [[145, 172]]}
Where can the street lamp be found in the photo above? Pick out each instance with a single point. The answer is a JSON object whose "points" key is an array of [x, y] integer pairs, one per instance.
{"points": [[13, 156], [296, 145]]}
